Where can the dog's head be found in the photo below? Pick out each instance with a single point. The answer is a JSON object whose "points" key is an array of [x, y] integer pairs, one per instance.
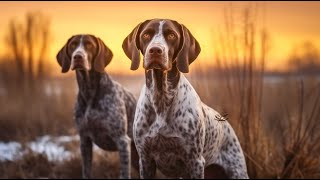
{"points": [[162, 42], [82, 52]]}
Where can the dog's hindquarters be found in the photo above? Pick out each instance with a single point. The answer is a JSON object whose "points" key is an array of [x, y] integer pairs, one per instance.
{"points": [[231, 156], [222, 146]]}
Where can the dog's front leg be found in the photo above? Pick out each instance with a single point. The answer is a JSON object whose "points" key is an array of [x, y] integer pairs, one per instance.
{"points": [[196, 167], [86, 153], [147, 167], [124, 146]]}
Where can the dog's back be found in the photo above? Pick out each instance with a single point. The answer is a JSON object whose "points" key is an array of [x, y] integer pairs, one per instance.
{"points": [[130, 104]]}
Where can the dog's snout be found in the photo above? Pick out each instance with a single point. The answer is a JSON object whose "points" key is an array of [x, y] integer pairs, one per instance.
{"points": [[78, 57], [79, 61], [156, 57], [155, 51]]}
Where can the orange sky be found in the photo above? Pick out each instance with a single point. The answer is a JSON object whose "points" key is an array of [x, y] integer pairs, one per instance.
{"points": [[289, 24]]}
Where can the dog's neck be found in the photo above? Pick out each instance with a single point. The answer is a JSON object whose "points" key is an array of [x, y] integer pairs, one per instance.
{"points": [[163, 87], [88, 83]]}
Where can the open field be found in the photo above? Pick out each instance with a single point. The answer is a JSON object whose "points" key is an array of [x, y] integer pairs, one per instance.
{"points": [[48, 114]]}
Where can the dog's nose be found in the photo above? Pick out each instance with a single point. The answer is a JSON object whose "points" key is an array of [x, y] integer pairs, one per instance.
{"points": [[155, 51], [78, 57]]}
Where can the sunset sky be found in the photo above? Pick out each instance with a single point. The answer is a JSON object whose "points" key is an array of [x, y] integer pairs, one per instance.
{"points": [[289, 24]]}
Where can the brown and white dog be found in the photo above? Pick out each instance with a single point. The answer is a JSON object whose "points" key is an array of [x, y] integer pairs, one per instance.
{"points": [[173, 129], [104, 110]]}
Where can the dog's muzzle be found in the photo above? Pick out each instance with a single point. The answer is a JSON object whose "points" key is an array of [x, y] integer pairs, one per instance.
{"points": [[78, 61], [155, 58]]}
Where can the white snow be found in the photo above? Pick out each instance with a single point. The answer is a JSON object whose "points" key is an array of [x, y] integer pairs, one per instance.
{"points": [[9, 151], [52, 147], [66, 139]]}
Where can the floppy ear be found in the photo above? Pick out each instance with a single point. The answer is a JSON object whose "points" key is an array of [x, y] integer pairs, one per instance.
{"points": [[63, 58], [189, 50], [131, 47], [103, 57]]}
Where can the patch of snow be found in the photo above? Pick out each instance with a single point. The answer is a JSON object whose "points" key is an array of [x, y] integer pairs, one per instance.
{"points": [[66, 139], [53, 150], [52, 147], [10, 151]]}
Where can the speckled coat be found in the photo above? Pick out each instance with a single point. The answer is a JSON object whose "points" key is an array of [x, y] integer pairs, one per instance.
{"points": [[104, 113], [173, 129], [177, 133], [104, 110]]}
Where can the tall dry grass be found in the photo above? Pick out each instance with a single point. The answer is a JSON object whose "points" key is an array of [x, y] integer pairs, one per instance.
{"points": [[276, 122], [104, 166], [26, 115]]}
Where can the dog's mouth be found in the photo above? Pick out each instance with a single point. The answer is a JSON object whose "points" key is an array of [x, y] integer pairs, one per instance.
{"points": [[78, 65], [155, 66], [155, 63]]}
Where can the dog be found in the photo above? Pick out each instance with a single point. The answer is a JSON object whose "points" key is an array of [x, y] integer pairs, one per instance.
{"points": [[173, 129], [104, 110]]}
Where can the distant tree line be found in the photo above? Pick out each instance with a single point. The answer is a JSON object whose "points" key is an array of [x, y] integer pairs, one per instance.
{"points": [[27, 42], [305, 59]]}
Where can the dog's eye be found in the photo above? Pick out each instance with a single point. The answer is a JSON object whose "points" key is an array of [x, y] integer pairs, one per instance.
{"points": [[88, 45], [171, 36], [73, 46], [146, 36]]}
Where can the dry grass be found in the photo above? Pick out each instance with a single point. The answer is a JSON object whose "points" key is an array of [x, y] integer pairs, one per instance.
{"points": [[37, 166], [276, 122], [281, 152], [35, 114]]}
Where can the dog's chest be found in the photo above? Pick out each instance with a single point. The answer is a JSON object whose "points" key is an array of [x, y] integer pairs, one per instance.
{"points": [[168, 154], [88, 117], [98, 130], [166, 146]]}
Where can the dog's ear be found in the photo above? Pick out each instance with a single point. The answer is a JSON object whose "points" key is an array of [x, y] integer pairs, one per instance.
{"points": [[103, 57], [189, 50], [131, 47], [63, 57]]}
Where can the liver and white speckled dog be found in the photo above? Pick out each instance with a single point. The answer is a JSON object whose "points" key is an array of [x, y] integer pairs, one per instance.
{"points": [[173, 130], [104, 110]]}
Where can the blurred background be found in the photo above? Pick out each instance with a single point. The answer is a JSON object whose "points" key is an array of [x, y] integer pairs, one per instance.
{"points": [[259, 66]]}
